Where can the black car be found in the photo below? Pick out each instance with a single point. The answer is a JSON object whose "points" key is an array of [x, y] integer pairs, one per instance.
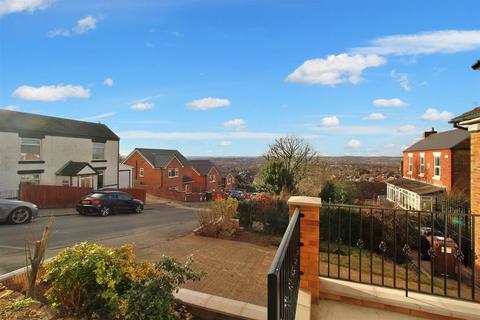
{"points": [[105, 203]]}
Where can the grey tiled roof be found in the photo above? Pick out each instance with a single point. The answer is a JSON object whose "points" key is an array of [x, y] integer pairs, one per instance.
{"points": [[38, 125], [160, 158], [202, 166], [472, 114], [440, 141], [71, 169]]}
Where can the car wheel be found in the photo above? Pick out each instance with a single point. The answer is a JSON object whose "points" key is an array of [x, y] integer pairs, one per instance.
{"points": [[105, 211], [138, 209], [20, 215]]}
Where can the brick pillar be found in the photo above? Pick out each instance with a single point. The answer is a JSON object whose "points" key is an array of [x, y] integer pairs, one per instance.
{"points": [[310, 237], [475, 189]]}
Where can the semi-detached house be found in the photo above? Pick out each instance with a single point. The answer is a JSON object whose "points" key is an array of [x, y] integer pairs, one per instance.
{"points": [[42, 150]]}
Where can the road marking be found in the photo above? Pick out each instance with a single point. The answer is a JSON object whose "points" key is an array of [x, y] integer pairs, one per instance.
{"points": [[10, 247]]}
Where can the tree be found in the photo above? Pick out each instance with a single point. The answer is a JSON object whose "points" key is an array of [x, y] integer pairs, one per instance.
{"points": [[328, 191], [295, 154], [275, 178]]}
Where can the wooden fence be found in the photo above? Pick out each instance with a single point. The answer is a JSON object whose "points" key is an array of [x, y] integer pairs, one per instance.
{"points": [[176, 195]]}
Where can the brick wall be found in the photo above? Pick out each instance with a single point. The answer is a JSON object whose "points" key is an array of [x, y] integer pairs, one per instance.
{"points": [[475, 173], [176, 182], [461, 171], [214, 186], [151, 176]]}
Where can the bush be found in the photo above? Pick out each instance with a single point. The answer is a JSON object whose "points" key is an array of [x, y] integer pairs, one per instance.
{"points": [[106, 283], [217, 221]]}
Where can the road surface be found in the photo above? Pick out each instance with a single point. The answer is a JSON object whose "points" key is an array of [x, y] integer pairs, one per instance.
{"points": [[158, 223]]}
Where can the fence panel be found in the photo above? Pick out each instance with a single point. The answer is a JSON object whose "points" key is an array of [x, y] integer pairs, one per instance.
{"points": [[49, 197]]}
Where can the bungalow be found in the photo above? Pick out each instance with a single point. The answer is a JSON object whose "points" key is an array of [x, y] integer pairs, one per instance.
{"points": [[438, 163], [42, 150], [160, 169], [206, 176]]}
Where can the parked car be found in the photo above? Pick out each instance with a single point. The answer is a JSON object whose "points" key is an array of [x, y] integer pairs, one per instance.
{"points": [[237, 194], [104, 203], [17, 212]]}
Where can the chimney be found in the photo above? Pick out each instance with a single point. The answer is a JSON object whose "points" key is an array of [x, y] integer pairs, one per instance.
{"points": [[426, 134]]}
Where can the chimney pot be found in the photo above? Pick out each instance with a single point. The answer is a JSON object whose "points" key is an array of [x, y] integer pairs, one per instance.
{"points": [[426, 134]]}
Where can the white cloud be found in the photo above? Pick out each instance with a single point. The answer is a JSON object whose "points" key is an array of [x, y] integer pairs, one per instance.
{"points": [[395, 102], [402, 79], [59, 32], [235, 123], [408, 128], [108, 82], [433, 114], [142, 106], [12, 6], [375, 116], [441, 41], [357, 130], [225, 143], [51, 93], [330, 121], [208, 103], [353, 144], [12, 107], [335, 69], [100, 116], [83, 25]]}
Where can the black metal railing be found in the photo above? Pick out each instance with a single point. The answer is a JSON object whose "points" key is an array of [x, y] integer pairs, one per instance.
{"points": [[421, 251], [284, 273]]}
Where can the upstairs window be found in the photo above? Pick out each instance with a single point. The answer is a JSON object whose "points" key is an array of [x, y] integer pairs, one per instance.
{"points": [[422, 163], [410, 163], [211, 178], [173, 172], [436, 165], [141, 172], [98, 151], [30, 149]]}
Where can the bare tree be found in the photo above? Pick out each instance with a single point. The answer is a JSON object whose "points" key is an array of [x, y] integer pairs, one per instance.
{"points": [[296, 154]]}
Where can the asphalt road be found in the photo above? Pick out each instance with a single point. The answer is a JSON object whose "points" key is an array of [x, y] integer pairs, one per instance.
{"points": [[158, 223]]}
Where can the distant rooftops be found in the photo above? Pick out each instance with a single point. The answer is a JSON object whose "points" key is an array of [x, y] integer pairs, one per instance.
{"points": [[160, 158], [440, 141], [35, 125]]}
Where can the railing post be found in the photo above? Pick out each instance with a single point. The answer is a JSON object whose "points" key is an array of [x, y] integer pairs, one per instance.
{"points": [[310, 237]]}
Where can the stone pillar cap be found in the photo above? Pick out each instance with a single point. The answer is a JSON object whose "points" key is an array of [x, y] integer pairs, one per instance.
{"points": [[305, 201]]}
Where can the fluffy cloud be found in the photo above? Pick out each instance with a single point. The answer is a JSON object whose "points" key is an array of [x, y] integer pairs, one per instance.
{"points": [[225, 143], [408, 128], [433, 114], [395, 102], [375, 116], [208, 103], [108, 82], [83, 25], [353, 144], [402, 79], [12, 6], [335, 69], [12, 108], [51, 93], [329, 121], [100, 116], [442, 41], [142, 106], [235, 123]]}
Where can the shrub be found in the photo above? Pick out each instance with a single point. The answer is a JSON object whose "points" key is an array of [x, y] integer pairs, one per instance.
{"points": [[217, 221]]}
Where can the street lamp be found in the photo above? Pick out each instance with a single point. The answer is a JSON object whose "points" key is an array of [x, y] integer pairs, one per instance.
{"points": [[476, 65]]}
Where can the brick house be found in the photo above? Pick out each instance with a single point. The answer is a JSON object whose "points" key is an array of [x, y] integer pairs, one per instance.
{"points": [[206, 176], [438, 163], [229, 182], [160, 169]]}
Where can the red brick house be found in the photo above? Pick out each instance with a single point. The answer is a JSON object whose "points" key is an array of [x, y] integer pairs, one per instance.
{"points": [[229, 182], [206, 177], [160, 169], [438, 163]]}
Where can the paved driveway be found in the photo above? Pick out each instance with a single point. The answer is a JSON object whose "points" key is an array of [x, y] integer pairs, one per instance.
{"points": [[158, 223]]}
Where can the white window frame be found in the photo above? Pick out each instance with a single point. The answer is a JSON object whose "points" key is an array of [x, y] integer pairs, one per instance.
{"points": [[435, 156], [96, 146], [422, 164], [31, 142], [36, 178], [175, 174], [211, 178], [410, 163], [141, 172]]}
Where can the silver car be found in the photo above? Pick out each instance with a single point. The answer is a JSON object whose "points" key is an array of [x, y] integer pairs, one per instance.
{"points": [[17, 212]]}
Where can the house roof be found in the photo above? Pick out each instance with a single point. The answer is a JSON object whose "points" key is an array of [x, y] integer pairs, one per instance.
{"points": [[202, 166], [440, 141], [469, 115], [38, 125], [160, 158], [72, 169], [415, 186]]}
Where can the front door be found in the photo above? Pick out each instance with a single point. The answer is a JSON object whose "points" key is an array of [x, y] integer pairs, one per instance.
{"points": [[100, 179]]}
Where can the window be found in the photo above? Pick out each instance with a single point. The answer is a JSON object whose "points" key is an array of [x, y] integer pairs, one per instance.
{"points": [[65, 183], [98, 151], [422, 163], [33, 179], [123, 196], [436, 165], [30, 149], [211, 178], [173, 172], [410, 163], [141, 172]]}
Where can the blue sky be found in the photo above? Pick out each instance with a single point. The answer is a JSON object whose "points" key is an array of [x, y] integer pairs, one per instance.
{"points": [[224, 78]]}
